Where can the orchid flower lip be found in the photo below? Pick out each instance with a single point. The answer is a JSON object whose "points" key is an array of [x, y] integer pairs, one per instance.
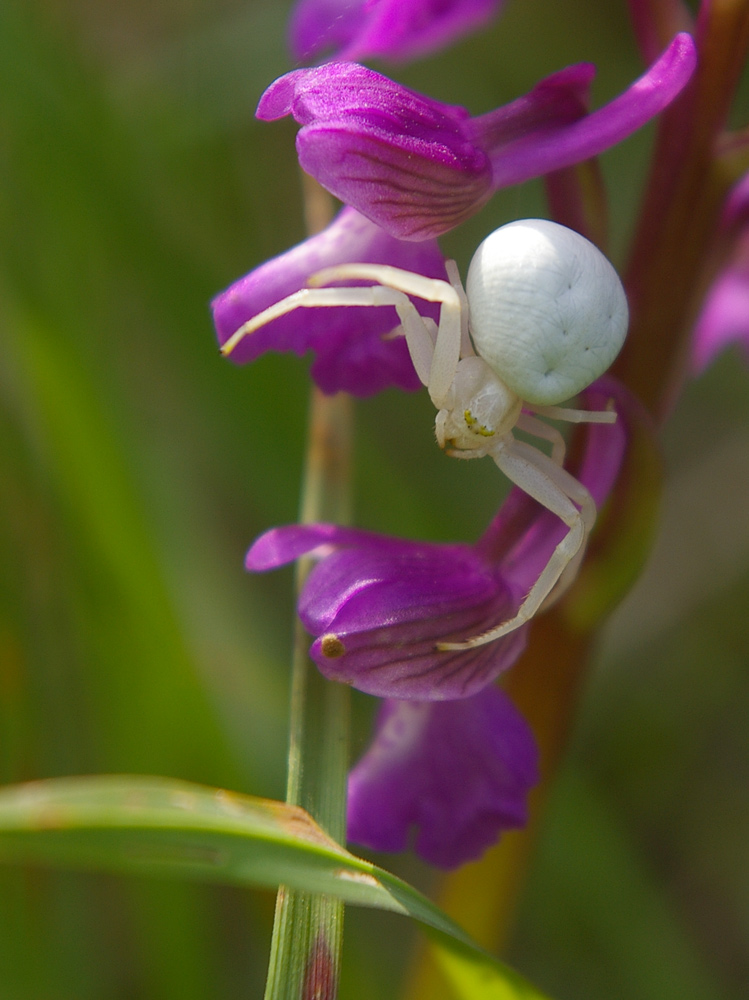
{"points": [[352, 347]]}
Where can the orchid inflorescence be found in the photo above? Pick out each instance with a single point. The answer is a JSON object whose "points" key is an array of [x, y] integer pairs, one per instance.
{"points": [[430, 627]]}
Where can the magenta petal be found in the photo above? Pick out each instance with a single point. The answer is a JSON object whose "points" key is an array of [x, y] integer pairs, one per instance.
{"points": [[724, 319], [390, 29], [415, 195], [322, 27], [280, 546], [345, 91], [457, 773], [352, 350], [398, 157], [544, 149], [555, 101], [379, 609], [606, 444]]}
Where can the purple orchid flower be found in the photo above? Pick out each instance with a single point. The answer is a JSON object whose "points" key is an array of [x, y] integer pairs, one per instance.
{"points": [[418, 167], [459, 772], [724, 318], [353, 350], [379, 605], [389, 29], [451, 755]]}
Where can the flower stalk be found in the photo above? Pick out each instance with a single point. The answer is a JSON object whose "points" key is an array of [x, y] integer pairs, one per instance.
{"points": [[308, 928], [683, 201]]}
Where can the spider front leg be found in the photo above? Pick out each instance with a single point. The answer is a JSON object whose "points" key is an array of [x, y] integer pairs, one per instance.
{"points": [[571, 416], [446, 351], [532, 425], [529, 423], [453, 276], [417, 335], [554, 488]]}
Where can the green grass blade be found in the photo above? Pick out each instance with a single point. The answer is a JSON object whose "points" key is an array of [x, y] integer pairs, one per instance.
{"points": [[161, 827]]}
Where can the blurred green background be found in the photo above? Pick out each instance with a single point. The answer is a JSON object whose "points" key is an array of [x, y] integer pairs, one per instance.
{"points": [[136, 466]]}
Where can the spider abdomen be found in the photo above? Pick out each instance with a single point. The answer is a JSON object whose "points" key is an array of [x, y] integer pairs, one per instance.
{"points": [[548, 312]]}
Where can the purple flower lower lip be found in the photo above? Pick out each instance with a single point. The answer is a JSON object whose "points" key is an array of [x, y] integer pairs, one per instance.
{"points": [[379, 605], [390, 29], [419, 167], [352, 350]]}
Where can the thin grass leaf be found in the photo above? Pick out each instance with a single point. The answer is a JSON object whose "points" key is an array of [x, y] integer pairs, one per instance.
{"points": [[163, 827]]}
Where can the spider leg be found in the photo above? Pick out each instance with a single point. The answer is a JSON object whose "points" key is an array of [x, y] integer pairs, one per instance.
{"points": [[607, 416], [431, 327], [420, 344], [446, 354], [539, 429], [453, 275], [554, 488], [431, 289], [467, 453]]}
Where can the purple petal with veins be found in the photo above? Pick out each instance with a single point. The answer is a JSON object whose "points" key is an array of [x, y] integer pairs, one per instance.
{"points": [[556, 145], [382, 148]]}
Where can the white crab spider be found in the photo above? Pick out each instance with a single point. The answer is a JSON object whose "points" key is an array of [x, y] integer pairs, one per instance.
{"points": [[547, 315]]}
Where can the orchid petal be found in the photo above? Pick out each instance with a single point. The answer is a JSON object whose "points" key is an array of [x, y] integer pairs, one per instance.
{"points": [[353, 351], [398, 157], [724, 319], [544, 149], [379, 609], [280, 546], [457, 772], [389, 29]]}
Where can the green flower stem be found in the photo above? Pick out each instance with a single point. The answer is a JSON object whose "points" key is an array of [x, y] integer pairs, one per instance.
{"points": [[308, 927]]}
